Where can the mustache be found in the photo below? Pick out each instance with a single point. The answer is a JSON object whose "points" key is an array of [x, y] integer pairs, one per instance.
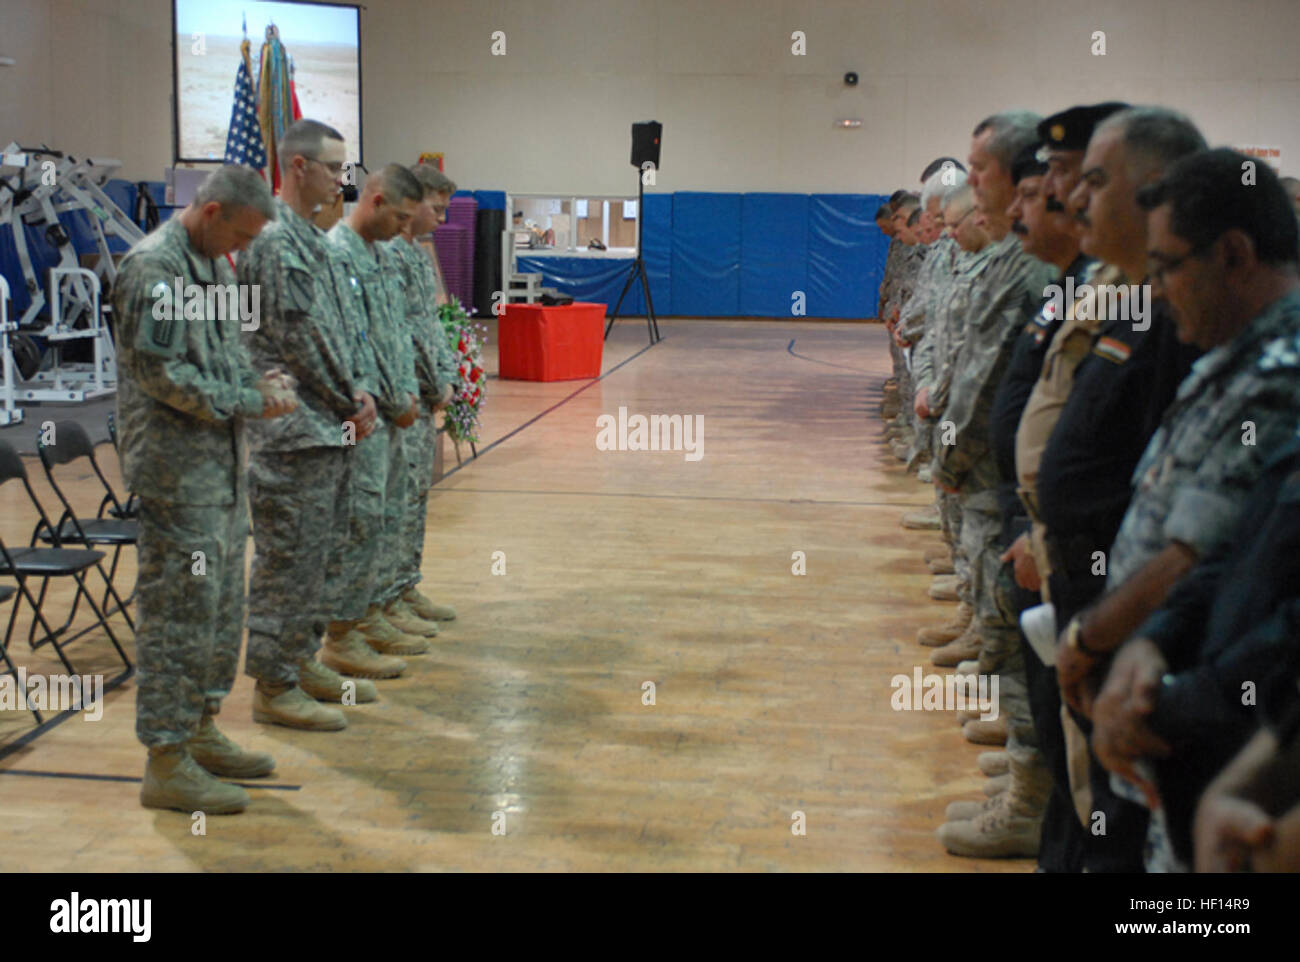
{"points": [[1055, 206], [1018, 228]]}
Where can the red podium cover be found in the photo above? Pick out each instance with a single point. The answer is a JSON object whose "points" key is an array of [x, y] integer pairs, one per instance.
{"points": [[537, 343]]}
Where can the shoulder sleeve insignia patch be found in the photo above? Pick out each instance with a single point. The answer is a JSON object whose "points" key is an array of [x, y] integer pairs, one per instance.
{"points": [[1112, 350]]}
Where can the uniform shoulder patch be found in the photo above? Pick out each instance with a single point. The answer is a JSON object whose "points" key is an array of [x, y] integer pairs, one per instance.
{"points": [[299, 290], [1112, 349], [160, 326]]}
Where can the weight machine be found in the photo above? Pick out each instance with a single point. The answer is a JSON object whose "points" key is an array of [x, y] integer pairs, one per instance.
{"points": [[36, 185]]}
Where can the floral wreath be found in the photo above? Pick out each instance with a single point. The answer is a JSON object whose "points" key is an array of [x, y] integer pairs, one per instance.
{"points": [[466, 337]]}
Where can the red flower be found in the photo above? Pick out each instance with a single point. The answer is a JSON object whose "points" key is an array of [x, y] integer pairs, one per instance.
{"points": [[463, 372], [476, 374], [462, 347]]}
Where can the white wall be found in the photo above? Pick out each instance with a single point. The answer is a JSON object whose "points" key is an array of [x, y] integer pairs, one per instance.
{"points": [[739, 111]]}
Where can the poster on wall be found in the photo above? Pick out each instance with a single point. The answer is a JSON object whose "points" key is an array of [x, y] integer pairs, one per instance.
{"points": [[323, 47]]}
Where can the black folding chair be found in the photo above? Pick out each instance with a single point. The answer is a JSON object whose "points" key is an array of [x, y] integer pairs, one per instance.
{"points": [[7, 592], [25, 564], [132, 507], [71, 443]]}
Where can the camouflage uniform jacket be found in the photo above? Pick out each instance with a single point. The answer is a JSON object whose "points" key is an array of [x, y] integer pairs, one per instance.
{"points": [[890, 277], [302, 330], [1003, 295], [185, 385], [909, 267], [435, 366], [375, 276], [1238, 407], [934, 273], [939, 350]]}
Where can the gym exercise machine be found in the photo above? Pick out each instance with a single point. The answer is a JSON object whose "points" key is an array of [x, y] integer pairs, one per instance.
{"points": [[36, 186]]}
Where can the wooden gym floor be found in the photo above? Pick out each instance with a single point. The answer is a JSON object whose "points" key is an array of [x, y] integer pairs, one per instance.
{"points": [[772, 690]]}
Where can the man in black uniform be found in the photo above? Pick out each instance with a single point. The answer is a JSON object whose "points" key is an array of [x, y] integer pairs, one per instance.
{"points": [[1119, 394]]}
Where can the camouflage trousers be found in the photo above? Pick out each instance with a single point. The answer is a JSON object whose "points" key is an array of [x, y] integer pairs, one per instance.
{"points": [[906, 413], [421, 440], [996, 619], [981, 536], [190, 613], [397, 505], [950, 528], [299, 502], [351, 572]]}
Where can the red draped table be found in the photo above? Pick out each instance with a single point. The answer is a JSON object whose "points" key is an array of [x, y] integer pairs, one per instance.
{"points": [[539, 343]]}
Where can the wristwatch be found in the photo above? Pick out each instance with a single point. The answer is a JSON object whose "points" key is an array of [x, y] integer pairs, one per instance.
{"points": [[1074, 638]]}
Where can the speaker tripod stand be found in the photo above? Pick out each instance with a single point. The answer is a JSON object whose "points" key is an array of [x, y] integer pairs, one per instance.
{"points": [[638, 271]]}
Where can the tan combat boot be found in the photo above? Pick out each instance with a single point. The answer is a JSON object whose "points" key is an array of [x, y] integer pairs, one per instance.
{"points": [[345, 651], [965, 646], [936, 551], [400, 615], [220, 756], [941, 566], [426, 608], [323, 684], [921, 519], [173, 779], [949, 630], [1010, 824], [994, 764], [986, 732], [386, 639], [944, 588], [290, 706]]}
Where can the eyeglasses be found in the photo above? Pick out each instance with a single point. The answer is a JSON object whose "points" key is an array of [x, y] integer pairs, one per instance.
{"points": [[1157, 273], [957, 223], [334, 168]]}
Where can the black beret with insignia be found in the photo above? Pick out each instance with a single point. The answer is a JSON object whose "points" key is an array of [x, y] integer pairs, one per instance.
{"points": [[1026, 164], [1072, 129]]}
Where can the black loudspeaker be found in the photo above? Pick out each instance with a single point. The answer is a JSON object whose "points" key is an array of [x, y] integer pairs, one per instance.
{"points": [[645, 143], [488, 225]]}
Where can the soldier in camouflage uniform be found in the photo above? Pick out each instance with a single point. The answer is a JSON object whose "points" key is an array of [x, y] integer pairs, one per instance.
{"points": [[934, 369], [300, 466], [893, 260], [381, 481], [932, 284], [1007, 290], [435, 367], [904, 286], [185, 391]]}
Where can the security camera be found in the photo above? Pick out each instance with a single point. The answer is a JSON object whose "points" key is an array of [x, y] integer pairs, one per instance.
{"points": [[851, 79]]}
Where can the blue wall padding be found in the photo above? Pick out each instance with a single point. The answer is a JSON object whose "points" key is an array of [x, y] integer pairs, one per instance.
{"points": [[657, 237], [773, 254], [590, 279], [706, 254], [487, 199], [742, 255], [846, 255]]}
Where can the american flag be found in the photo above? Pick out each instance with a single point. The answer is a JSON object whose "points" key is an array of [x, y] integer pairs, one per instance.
{"points": [[244, 142]]}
